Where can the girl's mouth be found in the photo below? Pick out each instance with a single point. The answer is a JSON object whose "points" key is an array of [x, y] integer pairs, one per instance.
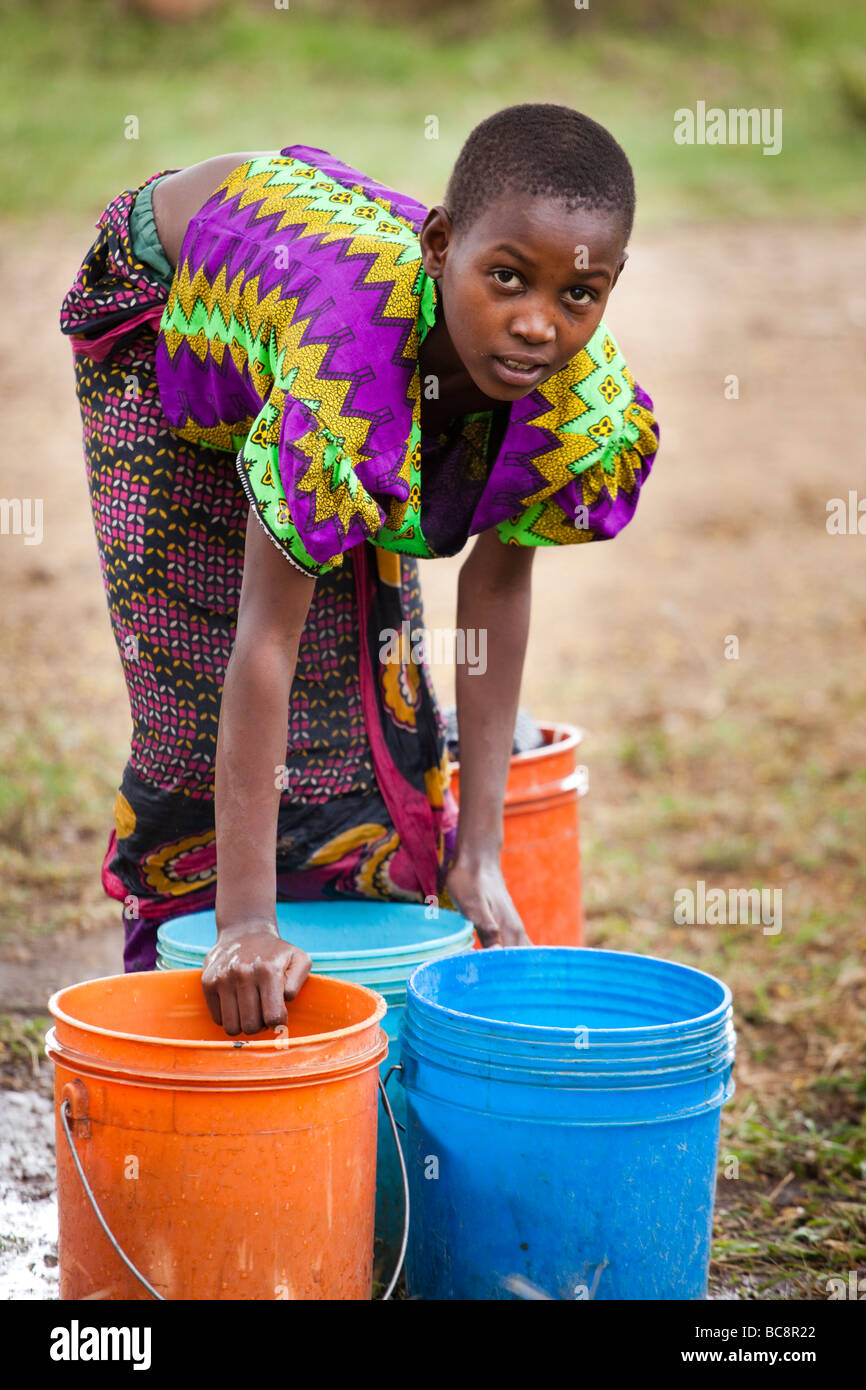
{"points": [[517, 373]]}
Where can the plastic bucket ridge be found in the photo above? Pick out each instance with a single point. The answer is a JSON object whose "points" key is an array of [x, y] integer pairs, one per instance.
{"points": [[374, 944], [225, 1168], [578, 1091]]}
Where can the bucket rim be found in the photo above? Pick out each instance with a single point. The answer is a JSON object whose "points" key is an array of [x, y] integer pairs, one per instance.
{"points": [[550, 1032], [572, 735], [467, 930], [279, 1044]]}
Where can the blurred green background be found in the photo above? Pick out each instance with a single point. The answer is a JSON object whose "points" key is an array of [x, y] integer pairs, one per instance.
{"points": [[204, 78]]}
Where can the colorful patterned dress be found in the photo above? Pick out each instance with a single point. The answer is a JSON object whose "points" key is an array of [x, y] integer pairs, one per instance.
{"points": [[279, 370]]}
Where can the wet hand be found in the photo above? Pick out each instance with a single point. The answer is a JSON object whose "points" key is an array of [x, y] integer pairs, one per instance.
{"points": [[479, 891], [249, 974]]}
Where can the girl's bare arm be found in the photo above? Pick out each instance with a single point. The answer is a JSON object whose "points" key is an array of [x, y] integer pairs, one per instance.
{"points": [[493, 601], [250, 972], [178, 197]]}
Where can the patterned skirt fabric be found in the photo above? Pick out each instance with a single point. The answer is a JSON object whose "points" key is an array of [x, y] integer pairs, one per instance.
{"points": [[365, 809]]}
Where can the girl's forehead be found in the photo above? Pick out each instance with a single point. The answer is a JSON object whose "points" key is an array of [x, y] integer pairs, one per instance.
{"points": [[541, 227]]}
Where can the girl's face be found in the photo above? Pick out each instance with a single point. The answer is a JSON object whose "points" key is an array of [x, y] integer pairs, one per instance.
{"points": [[523, 288]]}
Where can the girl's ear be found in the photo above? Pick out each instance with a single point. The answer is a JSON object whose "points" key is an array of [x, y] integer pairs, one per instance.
{"points": [[618, 270], [435, 235]]}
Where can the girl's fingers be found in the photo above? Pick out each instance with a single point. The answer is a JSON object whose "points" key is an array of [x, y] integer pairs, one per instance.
{"points": [[488, 933], [212, 1000], [271, 993], [230, 1019], [483, 921], [249, 1006], [514, 933], [247, 995], [296, 973]]}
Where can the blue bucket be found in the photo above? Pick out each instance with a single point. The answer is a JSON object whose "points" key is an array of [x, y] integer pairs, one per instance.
{"points": [[375, 944], [563, 1124]]}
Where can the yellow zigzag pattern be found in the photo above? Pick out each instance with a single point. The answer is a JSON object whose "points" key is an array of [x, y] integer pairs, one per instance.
{"points": [[270, 323], [296, 210], [565, 406], [336, 501], [282, 198], [245, 305], [556, 526], [308, 385]]}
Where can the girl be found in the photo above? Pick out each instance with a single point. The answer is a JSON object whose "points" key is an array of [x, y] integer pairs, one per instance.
{"points": [[278, 337]]}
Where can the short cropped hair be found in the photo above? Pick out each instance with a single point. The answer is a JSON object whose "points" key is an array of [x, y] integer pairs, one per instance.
{"points": [[542, 150]]}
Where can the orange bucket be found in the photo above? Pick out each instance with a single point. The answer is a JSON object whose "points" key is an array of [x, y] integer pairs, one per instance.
{"points": [[224, 1168], [541, 844]]}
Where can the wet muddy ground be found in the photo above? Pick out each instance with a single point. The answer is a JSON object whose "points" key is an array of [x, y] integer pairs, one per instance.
{"points": [[739, 773]]}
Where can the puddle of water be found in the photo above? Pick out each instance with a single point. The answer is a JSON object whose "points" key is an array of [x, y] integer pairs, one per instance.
{"points": [[28, 1198]]}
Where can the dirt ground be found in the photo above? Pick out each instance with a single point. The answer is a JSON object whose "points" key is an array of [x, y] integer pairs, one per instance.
{"points": [[740, 772]]}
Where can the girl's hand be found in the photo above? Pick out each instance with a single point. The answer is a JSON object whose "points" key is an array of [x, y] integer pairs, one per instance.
{"points": [[249, 974], [479, 891]]}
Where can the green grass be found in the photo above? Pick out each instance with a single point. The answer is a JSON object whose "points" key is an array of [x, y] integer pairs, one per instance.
{"points": [[743, 801], [790, 1208], [56, 795], [52, 771], [22, 1051], [247, 76]]}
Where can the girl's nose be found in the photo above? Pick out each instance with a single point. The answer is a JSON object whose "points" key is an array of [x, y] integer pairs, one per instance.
{"points": [[533, 326]]}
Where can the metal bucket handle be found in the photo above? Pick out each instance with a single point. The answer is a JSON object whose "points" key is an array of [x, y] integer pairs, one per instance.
{"points": [[66, 1112], [405, 1241]]}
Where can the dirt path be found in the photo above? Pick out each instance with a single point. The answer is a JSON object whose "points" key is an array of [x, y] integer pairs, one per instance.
{"points": [[730, 539], [730, 536], [735, 771]]}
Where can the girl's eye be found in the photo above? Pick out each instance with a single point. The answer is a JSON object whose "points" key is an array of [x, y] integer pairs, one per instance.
{"points": [[509, 275], [578, 289]]}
